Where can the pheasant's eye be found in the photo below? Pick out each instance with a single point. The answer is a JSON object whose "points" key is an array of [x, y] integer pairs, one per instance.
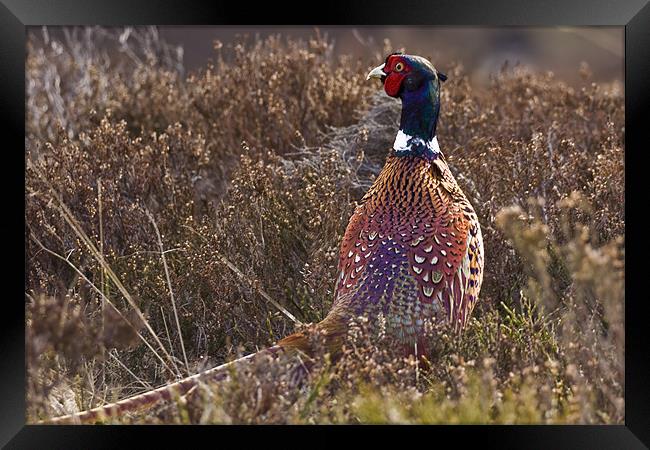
{"points": [[399, 67]]}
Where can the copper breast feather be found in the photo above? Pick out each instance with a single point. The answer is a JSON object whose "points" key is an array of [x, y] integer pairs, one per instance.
{"points": [[412, 250]]}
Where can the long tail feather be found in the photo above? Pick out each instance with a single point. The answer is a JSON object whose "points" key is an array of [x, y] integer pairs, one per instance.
{"points": [[150, 398], [295, 343]]}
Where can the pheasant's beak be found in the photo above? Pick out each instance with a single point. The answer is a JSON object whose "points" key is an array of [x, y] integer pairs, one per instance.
{"points": [[377, 72]]}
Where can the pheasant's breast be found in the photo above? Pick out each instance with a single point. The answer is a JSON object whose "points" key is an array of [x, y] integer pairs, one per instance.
{"points": [[412, 250]]}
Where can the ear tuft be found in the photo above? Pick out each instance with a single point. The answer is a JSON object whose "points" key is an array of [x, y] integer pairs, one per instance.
{"points": [[392, 54], [442, 76]]}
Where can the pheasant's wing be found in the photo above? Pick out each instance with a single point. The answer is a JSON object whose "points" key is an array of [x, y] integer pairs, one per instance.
{"points": [[457, 245], [473, 257], [440, 256]]}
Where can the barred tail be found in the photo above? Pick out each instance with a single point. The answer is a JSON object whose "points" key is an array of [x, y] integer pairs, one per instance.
{"points": [[150, 398], [332, 327]]}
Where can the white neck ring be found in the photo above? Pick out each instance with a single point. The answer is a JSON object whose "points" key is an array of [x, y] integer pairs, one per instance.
{"points": [[403, 143]]}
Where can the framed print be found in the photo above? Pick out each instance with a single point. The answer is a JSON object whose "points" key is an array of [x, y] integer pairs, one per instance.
{"points": [[384, 215]]}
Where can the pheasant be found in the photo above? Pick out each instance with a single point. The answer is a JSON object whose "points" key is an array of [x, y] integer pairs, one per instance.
{"points": [[412, 252], [413, 249]]}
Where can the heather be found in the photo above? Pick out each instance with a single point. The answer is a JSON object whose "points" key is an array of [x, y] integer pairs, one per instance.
{"points": [[176, 220]]}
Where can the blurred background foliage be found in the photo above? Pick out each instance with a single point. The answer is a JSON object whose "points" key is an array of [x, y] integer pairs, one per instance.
{"points": [[481, 50]]}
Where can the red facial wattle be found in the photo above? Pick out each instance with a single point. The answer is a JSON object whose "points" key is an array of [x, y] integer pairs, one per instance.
{"points": [[396, 69], [393, 82]]}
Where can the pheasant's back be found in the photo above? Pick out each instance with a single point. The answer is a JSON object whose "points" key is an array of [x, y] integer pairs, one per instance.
{"points": [[412, 250]]}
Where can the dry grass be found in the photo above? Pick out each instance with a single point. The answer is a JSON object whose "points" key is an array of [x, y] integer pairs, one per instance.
{"points": [[241, 224]]}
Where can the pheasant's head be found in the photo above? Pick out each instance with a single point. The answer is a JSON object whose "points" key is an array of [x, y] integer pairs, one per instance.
{"points": [[416, 82], [402, 74]]}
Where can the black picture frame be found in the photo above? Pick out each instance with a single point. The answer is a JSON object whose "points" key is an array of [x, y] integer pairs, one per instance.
{"points": [[634, 15]]}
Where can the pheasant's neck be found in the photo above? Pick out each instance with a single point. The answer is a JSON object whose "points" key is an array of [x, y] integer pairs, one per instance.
{"points": [[417, 129]]}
